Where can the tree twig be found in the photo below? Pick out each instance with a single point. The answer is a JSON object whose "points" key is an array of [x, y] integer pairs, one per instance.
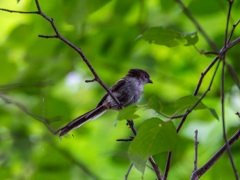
{"points": [[126, 140], [59, 36], [232, 31], [21, 12], [196, 150], [204, 53], [190, 16], [223, 58], [187, 113], [45, 121], [197, 174], [126, 176], [69, 157], [203, 75]]}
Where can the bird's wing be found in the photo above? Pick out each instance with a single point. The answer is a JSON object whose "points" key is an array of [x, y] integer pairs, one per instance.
{"points": [[115, 87]]}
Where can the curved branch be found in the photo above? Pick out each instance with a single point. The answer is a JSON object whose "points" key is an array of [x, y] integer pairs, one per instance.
{"points": [[59, 36], [189, 14]]}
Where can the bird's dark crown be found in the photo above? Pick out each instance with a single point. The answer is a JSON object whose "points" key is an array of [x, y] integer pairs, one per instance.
{"points": [[138, 73]]}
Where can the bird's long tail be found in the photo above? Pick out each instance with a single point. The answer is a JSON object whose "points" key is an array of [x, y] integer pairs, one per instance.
{"points": [[79, 121]]}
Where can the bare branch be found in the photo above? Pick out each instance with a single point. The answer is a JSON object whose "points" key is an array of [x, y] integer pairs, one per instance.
{"points": [[223, 58], [126, 140], [167, 165], [190, 16], [223, 120], [21, 12], [228, 17], [204, 53], [126, 177], [43, 36], [45, 121], [230, 45], [87, 81], [59, 36], [10, 87], [197, 174], [196, 150], [232, 31], [203, 75], [72, 159], [187, 113]]}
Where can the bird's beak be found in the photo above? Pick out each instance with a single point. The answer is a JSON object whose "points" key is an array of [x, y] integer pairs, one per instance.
{"points": [[149, 81]]}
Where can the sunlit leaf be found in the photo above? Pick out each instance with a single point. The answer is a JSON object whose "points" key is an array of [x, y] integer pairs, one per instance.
{"points": [[154, 136]]}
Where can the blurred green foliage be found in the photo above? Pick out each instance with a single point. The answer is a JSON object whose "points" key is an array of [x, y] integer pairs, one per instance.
{"points": [[47, 77]]}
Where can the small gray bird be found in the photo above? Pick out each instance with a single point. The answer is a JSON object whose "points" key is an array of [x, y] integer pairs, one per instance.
{"points": [[127, 90]]}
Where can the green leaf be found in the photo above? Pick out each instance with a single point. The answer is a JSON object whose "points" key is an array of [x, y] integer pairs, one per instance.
{"points": [[128, 113], [233, 74], [214, 113], [169, 37], [154, 103], [188, 102], [154, 136], [191, 38]]}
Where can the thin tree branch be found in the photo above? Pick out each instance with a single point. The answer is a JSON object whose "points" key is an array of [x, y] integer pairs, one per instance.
{"points": [[232, 31], [203, 75], [45, 121], [224, 49], [223, 58], [197, 174], [185, 116], [126, 176], [231, 44], [190, 16], [126, 140], [155, 166], [59, 36], [10, 87], [167, 165], [196, 150], [228, 17], [223, 120], [87, 81], [204, 53], [21, 12], [43, 36], [69, 157]]}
